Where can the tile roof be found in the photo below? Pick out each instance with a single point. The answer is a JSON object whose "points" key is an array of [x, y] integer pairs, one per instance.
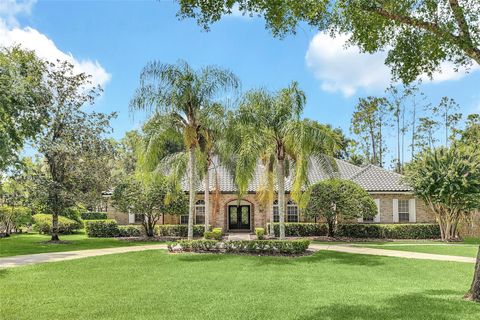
{"points": [[370, 177]]}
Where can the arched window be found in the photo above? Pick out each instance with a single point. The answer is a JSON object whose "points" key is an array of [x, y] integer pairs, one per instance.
{"points": [[276, 217], [200, 212], [292, 211]]}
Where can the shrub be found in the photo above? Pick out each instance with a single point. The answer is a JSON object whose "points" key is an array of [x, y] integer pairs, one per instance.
{"points": [[215, 234], [298, 229], [93, 215], [260, 232], [13, 218], [129, 231], [390, 231], [102, 228], [178, 230], [245, 246], [73, 213], [43, 224]]}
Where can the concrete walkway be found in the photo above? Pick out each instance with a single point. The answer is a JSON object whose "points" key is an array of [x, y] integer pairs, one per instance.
{"points": [[23, 260], [391, 253], [17, 261]]}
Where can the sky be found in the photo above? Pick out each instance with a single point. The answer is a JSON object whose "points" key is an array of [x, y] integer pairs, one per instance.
{"points": [[113, 40]]}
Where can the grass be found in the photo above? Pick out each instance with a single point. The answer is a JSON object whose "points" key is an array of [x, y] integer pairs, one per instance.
{"points": [[464, 250], [29, 243], [158, 285]]}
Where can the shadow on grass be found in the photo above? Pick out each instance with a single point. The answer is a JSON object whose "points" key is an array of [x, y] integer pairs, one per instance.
{"points": [[3, 273], [431, 304]]}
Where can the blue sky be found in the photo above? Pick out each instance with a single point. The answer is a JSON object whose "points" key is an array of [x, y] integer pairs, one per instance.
{"points": [[115, 39]]}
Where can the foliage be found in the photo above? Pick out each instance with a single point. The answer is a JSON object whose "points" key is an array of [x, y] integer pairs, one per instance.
{"points": [[215, 234], [186, 97], [107, 228], [23, 101], [246, 246], [150, 195], [301, 229], [13, 218], [88, 215], [336, 198], [43, 224], [129, 231], [418, 35], [448, 181], [260, 232], [178, 230], [73, 213], [390, 231]]}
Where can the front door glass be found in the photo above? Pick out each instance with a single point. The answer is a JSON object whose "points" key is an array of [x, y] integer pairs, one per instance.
{"points": [[239, 217]]}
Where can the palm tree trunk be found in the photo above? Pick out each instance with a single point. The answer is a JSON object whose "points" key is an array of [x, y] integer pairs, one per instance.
{"points": [[191, 190], [474, 292], [272, 226], [281, 196], [207, 199]]}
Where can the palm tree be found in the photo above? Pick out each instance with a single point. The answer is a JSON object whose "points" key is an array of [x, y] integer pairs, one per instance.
{"points": [[187, 97], [268, 128]]}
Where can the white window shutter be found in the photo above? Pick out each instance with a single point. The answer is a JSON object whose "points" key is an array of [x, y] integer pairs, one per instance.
{"points": [[412, 217], [131, 218], [377, 217], [395, 210]]}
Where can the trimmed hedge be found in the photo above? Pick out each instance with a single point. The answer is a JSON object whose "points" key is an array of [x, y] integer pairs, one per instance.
{"points": [[102, 228], [43, 224], [93, 215], [178, 230], [299, 229], [130, 231], [364, 230], [215, 234], [260, 232], [246, 246]]}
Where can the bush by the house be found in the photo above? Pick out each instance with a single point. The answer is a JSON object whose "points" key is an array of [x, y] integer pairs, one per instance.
{"points": [[245, 246], [298, 229], [260, 232], [215, 234], [43, 224], [129, 231], [178, 230], [102, 228], [390, 231], [94, 215]]}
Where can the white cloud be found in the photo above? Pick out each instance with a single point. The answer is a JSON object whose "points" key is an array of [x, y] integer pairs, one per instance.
{"points": [[345, 69], [44, 47]]}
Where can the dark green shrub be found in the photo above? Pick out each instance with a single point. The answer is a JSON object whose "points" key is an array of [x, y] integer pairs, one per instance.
{"points": [[102, 228], [178, 230], [129, 231], [73, 213], [93, 215], [245, 246], [300, 229], [199, 245], [260, 232], [215, 234], [43, 224], [390, 231]]}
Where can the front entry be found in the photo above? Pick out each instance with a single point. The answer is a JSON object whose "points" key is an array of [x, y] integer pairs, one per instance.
{"points": [[239, 217]]}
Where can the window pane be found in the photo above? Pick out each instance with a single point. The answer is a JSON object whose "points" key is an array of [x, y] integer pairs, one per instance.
{"points": [[200, 212], [403, 213], [292, 213], [138, 218], [276, 217], [184, 219]]}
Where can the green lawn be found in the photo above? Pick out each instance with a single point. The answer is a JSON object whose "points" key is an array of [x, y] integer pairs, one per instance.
{"points": [[29, 243], [464, 250], [158, 285]]}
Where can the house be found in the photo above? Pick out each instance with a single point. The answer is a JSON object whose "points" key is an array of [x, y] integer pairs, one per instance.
{"points": [[395, 200]]}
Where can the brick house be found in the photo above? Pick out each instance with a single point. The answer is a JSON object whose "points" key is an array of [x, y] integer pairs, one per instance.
{"points": [[395, 200]]}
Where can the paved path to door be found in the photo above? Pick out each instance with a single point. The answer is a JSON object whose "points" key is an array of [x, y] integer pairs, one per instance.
{"points": [[17, 261], [390, 253], [23, 260]]}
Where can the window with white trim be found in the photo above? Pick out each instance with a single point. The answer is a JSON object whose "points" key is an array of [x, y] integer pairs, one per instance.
{"points": [[184, 219], [200, 212], [276, 216], [292, 211], [403, 210]]}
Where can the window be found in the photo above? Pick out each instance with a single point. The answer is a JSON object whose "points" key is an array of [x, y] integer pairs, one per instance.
{"points": [[276, 217], [184, 219], [403, 213], [200, 212], [139, 218], [292, 211]]}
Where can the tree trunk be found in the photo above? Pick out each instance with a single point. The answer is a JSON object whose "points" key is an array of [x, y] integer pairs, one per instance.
{"points": [[281, 196], [191, 190], [207, 199], [330, 227], [474, 292], [272, 227], [55, 226]]}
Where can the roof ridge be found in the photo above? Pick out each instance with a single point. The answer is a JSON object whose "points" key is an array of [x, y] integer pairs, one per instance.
{"points": [[362, 170]]}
